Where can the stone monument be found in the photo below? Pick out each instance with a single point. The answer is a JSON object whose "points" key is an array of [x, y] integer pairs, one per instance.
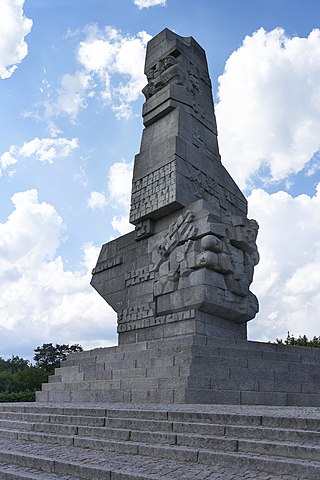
{"points": [[180, 281], [188, 266]]}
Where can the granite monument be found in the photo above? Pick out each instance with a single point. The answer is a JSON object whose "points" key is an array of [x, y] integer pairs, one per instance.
{"points": [[187, 267], [180, 282]]}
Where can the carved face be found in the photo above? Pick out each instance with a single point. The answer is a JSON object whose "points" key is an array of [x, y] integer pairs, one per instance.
{"points": [[168, 62], [250, 234]]}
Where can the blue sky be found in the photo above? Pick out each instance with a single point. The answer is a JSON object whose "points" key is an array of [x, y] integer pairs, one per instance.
{"points": [[71, 72]]}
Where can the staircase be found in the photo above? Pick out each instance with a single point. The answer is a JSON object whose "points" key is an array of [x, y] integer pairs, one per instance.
{"points": [[190, 370], [127, 442]]}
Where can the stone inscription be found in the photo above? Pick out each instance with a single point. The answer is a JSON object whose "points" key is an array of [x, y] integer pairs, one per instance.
{"points": [[107, 264], [153, 191], [152, 321], [140, 275], [140, 312]]}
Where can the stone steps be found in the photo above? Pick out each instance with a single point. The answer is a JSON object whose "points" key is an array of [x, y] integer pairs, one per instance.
{"points": [[284, 443], [20, 472], [165, 445], [174, 433]]}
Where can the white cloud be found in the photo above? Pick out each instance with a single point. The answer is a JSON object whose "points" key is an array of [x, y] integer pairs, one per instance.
{"points": [[72, 94], [41, 301], [110, 70], [119, 195], [6, 160], [119, 183], [287, 280], [115, 61], [269, 105], [14, 26], [97, 201], [43, 149], [121, 224], [149, 3]]}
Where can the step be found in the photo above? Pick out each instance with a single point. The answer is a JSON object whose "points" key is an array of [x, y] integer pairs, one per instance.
{"points": [[9, 471], [183, 446], [127, 429], [73, 425], [85, 464]]}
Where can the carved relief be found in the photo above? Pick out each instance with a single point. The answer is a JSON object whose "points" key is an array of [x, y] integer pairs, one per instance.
{"points": [[171, 254], [234, 255], [166, 70], [144, 229]]}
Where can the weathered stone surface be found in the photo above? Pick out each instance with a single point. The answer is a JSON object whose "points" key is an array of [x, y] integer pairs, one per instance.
{"points": [[193, 250]]}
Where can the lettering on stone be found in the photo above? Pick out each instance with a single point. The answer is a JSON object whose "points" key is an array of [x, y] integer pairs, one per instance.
{"points": [[134, 313], [155, 190], [153, 321], [105, 265], [140, 275]]}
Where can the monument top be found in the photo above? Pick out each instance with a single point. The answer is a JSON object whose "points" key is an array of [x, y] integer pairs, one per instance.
{"points": [[179, 144]]}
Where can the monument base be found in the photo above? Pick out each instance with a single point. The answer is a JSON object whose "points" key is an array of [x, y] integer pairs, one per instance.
{"points": [[187, 323], [192, 369]]}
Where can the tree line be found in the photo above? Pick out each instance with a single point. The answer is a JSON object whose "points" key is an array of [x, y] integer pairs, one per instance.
{"points": [[20, 379], [301, 341]]}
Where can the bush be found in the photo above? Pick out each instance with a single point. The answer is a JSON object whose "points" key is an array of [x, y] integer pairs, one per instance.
{"points": [[26, 396]]}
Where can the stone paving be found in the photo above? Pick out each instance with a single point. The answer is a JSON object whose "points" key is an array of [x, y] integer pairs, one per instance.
{"points": [[139, 466]]}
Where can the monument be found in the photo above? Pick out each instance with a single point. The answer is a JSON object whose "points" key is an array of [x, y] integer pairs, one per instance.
{"points": [[180, 282], [188, 266]]}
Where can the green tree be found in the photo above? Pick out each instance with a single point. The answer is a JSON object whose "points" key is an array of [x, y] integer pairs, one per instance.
{"points": [[48, 357], [19, 379], [13, 364], [301, 341]]}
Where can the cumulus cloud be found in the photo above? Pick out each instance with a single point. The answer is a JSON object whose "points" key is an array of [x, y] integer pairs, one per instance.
{"points": [[115, 61], [71, 94], [119, 193], [43, 149], [119, 183], [40, 300], [14, 26], [269, 106], [287, 280], [111, 68], [97, 201], [149, 3], [117, 197]]}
